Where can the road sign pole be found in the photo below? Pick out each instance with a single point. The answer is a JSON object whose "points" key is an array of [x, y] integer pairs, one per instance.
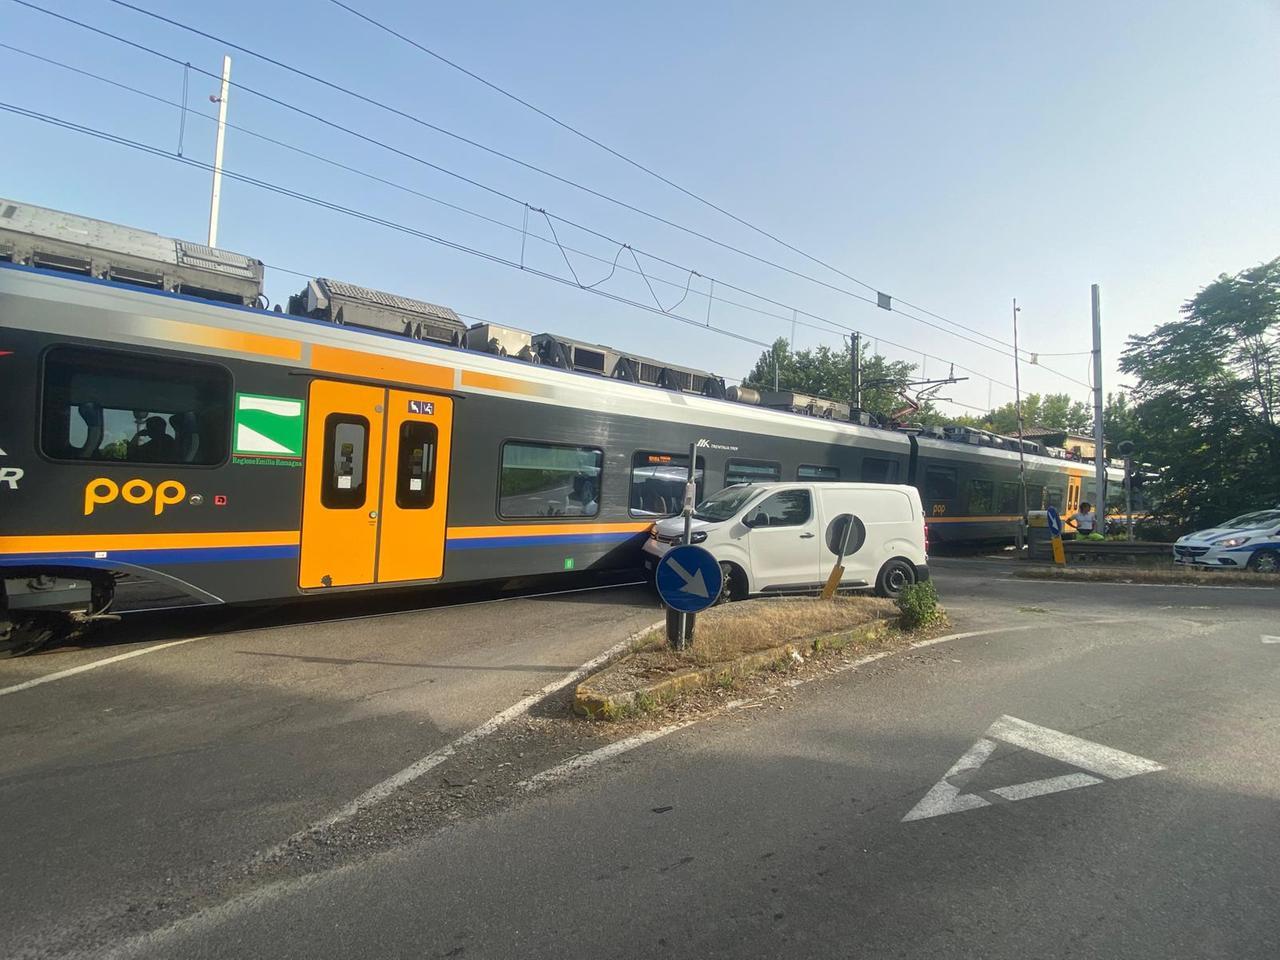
{"points": [[684, 621]]}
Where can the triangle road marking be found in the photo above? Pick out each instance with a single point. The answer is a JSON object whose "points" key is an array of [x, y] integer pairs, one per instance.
{"points": [[1103, 763]]}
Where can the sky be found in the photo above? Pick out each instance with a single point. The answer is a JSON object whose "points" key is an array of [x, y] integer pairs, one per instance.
{"points": [[955, 156]]}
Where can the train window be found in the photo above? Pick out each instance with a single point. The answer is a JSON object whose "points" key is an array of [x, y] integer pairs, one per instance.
{"points": [[102, 405], [416, 465], [549, 480], [657, 483], [1010, 499], [809, 471], [749, 471], [1053, 498], [346, 456], [982, 497], [939, 483], [876, 470], [1035, 496], [786, 508]]}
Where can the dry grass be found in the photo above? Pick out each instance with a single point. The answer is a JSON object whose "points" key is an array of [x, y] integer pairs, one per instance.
{"points": [[726, 632], [1094, 574]]}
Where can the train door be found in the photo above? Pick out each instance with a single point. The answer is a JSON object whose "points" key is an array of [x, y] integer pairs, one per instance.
{"points": [[1073, 495], [375, 487]]}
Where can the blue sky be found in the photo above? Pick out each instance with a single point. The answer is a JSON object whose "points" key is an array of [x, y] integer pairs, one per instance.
{"points": [[954, 155]]}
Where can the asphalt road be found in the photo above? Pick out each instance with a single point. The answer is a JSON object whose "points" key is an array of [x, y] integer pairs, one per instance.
{"points": [[119, 783], [784, 831]]}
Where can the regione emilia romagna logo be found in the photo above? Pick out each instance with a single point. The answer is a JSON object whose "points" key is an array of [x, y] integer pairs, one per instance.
{"points": [[268, 426]]}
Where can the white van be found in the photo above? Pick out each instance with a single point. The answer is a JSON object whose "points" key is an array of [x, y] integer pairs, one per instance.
{"points": [[776, 537]]}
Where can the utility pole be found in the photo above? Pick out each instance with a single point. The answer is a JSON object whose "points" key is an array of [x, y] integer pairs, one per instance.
{"points": [[855, 363], [1099, 459], [1017, 406], [216, 196]]}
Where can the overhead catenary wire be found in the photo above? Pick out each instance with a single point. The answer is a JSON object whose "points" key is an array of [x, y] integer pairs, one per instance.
{"points": [[357, 214], [831, 325], [374, 141], [568, 181], [386, 28]]}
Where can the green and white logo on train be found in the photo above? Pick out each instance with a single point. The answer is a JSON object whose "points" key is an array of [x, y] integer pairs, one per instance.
{"points": [[269, 430]]}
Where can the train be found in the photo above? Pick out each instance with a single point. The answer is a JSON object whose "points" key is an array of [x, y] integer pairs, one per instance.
{"points": [[163, 426]]}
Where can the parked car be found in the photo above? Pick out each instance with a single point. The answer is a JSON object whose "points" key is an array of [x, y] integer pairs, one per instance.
{"points": [[784, 537], [1251, 540]]}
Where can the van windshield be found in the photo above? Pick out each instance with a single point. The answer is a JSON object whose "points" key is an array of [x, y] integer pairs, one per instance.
{"points": [[721, 506]]}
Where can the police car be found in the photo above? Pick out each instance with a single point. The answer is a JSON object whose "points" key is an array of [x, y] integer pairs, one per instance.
{"points": [[1251, 540]]}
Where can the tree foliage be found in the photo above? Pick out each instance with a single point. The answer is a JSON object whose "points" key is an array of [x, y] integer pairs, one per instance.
{"points": [[824, 372], [1054, 410], [1205, 405]]}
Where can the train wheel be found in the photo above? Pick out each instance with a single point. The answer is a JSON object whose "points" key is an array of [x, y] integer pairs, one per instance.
{"points": [[27, 636], [1265, 561]]}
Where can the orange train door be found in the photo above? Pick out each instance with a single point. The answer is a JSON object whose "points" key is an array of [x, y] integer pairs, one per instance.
{"points": [[375, 487], [411, 544], [1073, 495]]}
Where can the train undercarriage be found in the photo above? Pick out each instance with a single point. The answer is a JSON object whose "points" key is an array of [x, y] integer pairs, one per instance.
{"points": [[41, 607]]}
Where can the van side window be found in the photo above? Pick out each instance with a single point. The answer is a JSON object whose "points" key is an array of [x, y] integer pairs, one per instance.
{"points": [[101, 405], [346, 453], [982, 497], [877, 470], [657, 483], [813, 472], [750, 471], [939, 483], [549, 480], [786, 508]]}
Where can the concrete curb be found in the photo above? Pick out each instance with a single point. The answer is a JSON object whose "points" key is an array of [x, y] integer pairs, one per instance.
{"points": [[590, 701]]}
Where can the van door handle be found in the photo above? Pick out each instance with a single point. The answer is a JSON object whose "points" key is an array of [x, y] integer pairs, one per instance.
{"points": [[806, 536]]}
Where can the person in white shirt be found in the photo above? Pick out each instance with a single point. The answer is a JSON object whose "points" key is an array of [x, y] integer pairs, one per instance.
{"points": [[1085, 521]]}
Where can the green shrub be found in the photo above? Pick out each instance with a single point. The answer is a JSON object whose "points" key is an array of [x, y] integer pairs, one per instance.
{"points": [[919, 605]]}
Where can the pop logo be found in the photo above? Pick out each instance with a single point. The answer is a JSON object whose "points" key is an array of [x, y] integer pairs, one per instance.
{"points": [[102, 491]]}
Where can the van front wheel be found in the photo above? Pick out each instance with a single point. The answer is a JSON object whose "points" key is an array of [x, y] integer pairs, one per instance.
{"points": [[894, 576], [733, 583]]}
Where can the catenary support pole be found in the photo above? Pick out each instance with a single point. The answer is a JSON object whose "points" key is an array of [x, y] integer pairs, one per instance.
{"points": [[1099, 455], [1017, 406], [855, 364], [215, 197]]}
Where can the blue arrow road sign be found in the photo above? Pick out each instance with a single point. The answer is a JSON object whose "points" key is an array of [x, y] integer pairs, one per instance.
{"points": [[688, 578], [1055, 523]]}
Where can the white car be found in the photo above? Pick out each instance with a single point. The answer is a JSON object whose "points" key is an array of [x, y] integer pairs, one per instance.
{"points": [[784, 537], [1251, 540]]}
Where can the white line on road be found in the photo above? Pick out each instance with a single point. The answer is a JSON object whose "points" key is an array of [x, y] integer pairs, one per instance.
{"points": [[384, 789], [1110, 583], [1094, 757], [71, 672], [581, 762], [1267, 639], [1040, 788]]}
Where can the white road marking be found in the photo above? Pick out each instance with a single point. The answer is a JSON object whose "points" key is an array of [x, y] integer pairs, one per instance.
{"points": [[1039, 788], [385, 788], [945, 796], [1267, 639], [71, 672], [583, 761], [1094, 757]]}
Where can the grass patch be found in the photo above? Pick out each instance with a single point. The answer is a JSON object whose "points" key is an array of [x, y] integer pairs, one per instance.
{"points": [[1093, 574], [731, 630]]}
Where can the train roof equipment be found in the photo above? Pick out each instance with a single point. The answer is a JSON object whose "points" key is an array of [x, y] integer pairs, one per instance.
{"points": [[350, 305], [37, 236], [50, 239]]}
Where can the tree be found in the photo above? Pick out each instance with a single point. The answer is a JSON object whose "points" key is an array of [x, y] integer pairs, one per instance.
{"points": [[1056, 411], [1207, 397], [824, 372]]}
